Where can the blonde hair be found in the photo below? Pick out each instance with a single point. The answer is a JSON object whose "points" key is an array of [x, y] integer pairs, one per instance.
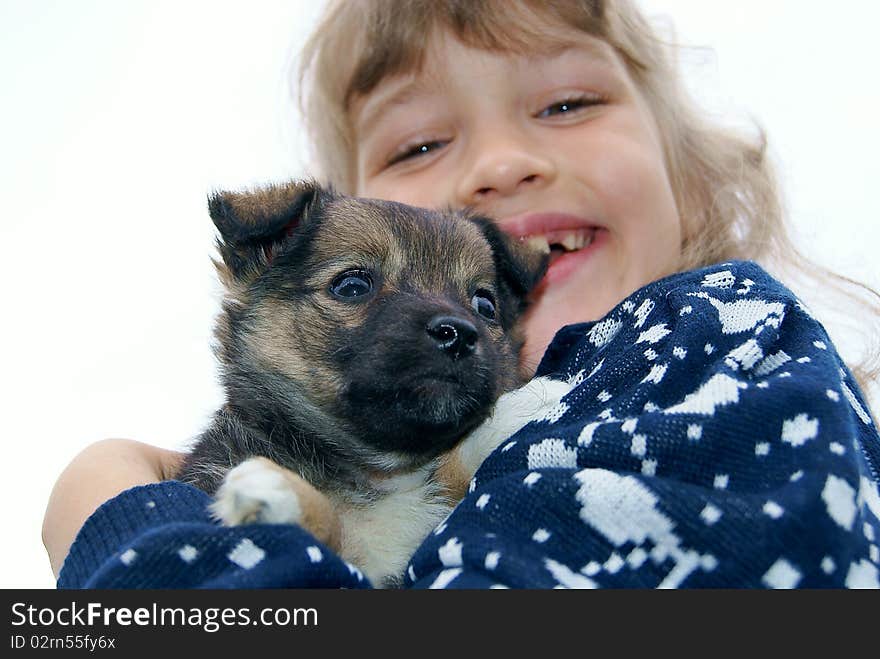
{"points": [[723, 183]]}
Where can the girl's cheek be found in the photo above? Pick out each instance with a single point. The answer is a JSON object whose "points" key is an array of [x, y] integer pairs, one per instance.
{"points": [[425, 188], [383, 189]]}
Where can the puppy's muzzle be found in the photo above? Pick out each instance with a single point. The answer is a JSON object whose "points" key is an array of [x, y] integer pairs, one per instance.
{"points": [[456, 337]]}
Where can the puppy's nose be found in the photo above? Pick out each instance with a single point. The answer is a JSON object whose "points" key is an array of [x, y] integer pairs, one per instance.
{"points": [[454, 336]]}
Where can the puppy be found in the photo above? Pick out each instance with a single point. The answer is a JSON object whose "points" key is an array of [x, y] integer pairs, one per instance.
{"points": [[359, 342]]}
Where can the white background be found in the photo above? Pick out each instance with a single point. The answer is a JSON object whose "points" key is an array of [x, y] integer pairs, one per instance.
{"points": [[117, 119]]}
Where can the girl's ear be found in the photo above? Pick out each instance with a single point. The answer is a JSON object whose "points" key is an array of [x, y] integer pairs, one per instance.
{"points": [[519, 267], [253, 224]]}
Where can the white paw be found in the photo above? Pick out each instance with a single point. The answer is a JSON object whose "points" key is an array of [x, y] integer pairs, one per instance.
{"points": [[514, 410], [255, 492]]}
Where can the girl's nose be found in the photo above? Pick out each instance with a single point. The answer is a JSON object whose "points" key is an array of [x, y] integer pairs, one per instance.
{"points": [[502, 168]]}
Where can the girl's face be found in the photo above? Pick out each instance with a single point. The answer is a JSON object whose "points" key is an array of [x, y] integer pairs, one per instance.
{"points": [[559, 147]]}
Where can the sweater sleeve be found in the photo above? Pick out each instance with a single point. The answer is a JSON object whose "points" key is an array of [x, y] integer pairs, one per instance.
{"points": [[708, 435], [162, 536]]}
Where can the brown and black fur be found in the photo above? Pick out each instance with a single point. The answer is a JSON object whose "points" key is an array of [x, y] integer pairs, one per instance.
{"points": [[346, 392]]}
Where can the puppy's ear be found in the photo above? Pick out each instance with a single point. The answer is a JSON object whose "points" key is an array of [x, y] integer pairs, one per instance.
{"points": [[255, 223], [519, 266]]}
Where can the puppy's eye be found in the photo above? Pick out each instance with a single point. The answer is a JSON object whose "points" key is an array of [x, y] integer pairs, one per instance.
{"points": [[484, 304], [352, 284]]}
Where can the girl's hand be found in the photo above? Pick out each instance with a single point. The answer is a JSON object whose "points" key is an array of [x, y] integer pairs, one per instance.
{"points": [[100, 472]]}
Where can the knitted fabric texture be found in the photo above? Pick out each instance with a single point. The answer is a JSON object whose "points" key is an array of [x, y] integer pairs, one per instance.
{"points": [[709, 435]]}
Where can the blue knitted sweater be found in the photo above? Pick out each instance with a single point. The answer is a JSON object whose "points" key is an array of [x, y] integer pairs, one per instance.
{"points": [[711, 437]]}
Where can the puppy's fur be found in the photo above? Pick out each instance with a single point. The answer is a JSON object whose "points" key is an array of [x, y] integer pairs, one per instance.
{"points": [[359, 341]]}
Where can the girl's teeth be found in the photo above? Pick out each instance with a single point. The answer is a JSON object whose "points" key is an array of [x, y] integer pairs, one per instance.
{"points": [[570, 241], [573, 241], [539, 244]]}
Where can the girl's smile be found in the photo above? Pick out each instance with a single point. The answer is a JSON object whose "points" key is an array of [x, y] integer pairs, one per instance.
{"points": [[569, 239]]}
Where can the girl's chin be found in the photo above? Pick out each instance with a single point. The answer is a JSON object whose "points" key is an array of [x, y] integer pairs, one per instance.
{"points": [[555, 309], [540, 330], [567, 304]]}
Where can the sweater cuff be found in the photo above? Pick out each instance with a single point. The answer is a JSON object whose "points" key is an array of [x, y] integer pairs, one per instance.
{"points": [[117, 521]]}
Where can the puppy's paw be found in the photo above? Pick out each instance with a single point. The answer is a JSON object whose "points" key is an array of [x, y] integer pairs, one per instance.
{"points": [[257, 491], [538, 400]]}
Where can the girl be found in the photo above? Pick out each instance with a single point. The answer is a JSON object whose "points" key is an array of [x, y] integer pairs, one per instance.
{"points": [[710, 434]]}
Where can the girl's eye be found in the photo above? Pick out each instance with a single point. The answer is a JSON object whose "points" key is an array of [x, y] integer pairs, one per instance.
{"points": [[483, 303], [570, 105], [415, 150], [352, 284]]}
